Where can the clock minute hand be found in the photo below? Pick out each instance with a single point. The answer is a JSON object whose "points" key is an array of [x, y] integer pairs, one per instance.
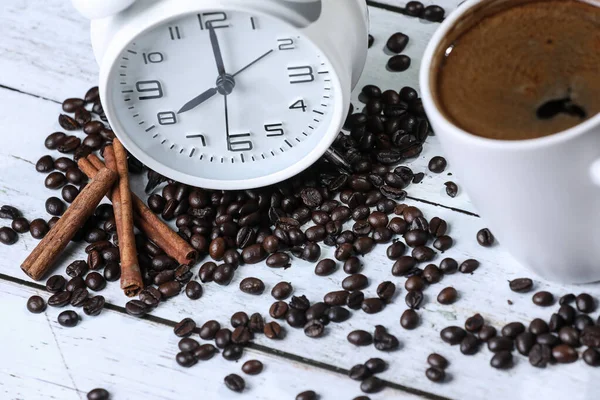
{"points": [[196, 101], [252, 63], [216, 49]]}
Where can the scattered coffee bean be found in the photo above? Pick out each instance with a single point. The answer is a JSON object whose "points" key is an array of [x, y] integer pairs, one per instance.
{"points": [[543, 299], [447, 296], [521, 285], [38, 228], [591, 357], [272, 330], [68, 318], [437, 164], [435, 374], [512, 329], [252, 367], [451, 189], [448, 266], [399, 63], [8, 236], [252, 286], [98, 394], [94, 305], [360, 338], [585, 303], [397, 42], [137, 308], [186, 359], [453, 334], [325, 267], [564, 354], [485, 238], [409, 319], [502, 360], [437, 361], [433, 13], [307, 395], [372, 385], [36, 305]]}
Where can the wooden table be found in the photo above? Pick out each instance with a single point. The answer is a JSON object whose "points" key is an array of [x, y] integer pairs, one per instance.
{"points": [[45, 56]]}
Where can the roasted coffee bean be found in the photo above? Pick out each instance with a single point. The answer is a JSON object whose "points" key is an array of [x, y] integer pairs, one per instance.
{"points": [[524, 342], [169, 289], [376, 365], [150, 296], [307, 395], [359, 372], [435, 374], [207, 270], [300, 303], [474, 323], [500, 343], [432, 274], [567, 313], [36, 305], [209, 330], [223, 274], [186, 359], [94, 305], [433, 13], [239, 318], [372, 384], [451, 189], [320, 309], [325, 267], [55, 283], [360, 338], [92, 95], [355, 282], [256, 323], [223, 338], [55, 206], [548, 339], [437, 227], [8, 236], [443, 243], [354, 300], [540, 355], [437, 361], [409, 319], [564, 354], [538, 326], [521, 285], [278, 260], [416, 238], [585, 303], [453, 334], [95, 281], [502, 360], [397, 43], [98, 394], [205, 352], [383, 340], [60, 299], [54, 140], [252, 286], [386, 290], [543, 299], [469, 345], [398, 225], [20, 225], [55, 180], [53, 221], [69, 193], [399, 63], [69, 145], [252, 367], [448, 266], [437, 164], [241, 335], [295, 318], [414, 283], [68, 318], [272, 330], [372, 305], [485, 238], [590, 336], [591, 357], [188, 344], [314, 329], [486, 333], [581, 321], [74, 176], [217, 248], [282, 290], [403, 265], [45, 164], [68, 123], [468, 266], [447, 296], [75, 283], [344, 252], [395, 250], [352, 265], [193, 290], [569, 335], [336, 313], [513, 329], [414, 299], [79, 297]]}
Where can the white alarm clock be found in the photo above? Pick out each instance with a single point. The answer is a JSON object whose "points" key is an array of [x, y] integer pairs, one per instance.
{"points": [[227, 94]]}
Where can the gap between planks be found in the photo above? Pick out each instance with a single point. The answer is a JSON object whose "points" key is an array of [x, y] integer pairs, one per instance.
{"points": [[257, 347]]}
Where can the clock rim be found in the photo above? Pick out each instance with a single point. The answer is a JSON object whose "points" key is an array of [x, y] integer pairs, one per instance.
{"points": [[160, 15]]}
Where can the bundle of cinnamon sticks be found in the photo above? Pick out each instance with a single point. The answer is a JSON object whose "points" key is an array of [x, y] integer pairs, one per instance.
{"points": [[112, 180]]}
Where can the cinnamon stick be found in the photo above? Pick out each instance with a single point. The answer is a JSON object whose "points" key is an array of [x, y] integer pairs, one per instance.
{"points": [[45, 254], [147, 222], [131, 276]]}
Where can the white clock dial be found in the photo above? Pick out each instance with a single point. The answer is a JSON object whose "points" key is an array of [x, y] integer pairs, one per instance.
{"points": [[256, 118]]}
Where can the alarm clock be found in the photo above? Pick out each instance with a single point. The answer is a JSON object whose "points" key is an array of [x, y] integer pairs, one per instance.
{"points": [[227, 94]]}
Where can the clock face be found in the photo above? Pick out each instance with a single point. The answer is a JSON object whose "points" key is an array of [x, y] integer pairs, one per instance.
{"points": [[224, 99]]}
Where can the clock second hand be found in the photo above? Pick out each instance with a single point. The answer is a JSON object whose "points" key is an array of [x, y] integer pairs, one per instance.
{"points": [[226, 121], [196, 101]]}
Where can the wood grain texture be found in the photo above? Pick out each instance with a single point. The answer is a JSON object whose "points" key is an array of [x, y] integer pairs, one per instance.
{"points": [[45, 51]]}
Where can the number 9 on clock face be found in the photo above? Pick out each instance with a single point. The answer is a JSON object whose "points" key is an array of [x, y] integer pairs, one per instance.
{"points": [[224, 99]]}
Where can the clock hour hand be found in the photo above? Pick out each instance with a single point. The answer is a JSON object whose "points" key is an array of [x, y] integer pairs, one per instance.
{"points": [[216, 49], [196, 101]]}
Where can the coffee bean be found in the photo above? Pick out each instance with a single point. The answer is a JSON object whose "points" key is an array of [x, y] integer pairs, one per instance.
{"points": [[112, 272], [585, 303], [209, 330], [414, 283], [451, 189], [486, 333], [36, 305], [223, 338], [307, 395], [239, 318], [98, 394], [223, 274], [564, 354], [447, 296], [581, 321], [372, 385], [69, 193], [566, 299], [372, 305], [485, 238], [416, 237], [8, 236], [513, 329], [150, 296], [383, 340], [355, 282], [569, 335], [60, 299], [437, 227], [314, 329], [443, 243], [68, 123], [474, 323], [79, 297], [207, 270], [469, 345], [68, 318], [432, 274], [233, 352], [252, 367], [188, 344], [94, 305], [399, 63], [502, 360], [403, 265], [95, 281], [468, 266], [397, 43], [521, 285], [272, 330], [435, 374], [252, 286], [282, 290], [398, 225], [184, 328], [75, 283], [20, 225], [241, 335], [448, 266], [437, 361], [548, 339], [453, 334], [500, 343], [325, 267], [54, 140], [169, 289], [360, 338], [55, 206], [186, 359], [69, 145], [45, 164], [433, 13], [409, 319], [55, 180], [437, 164], [55, 283], [540, 355], [278, 309], [543, 299], [386, 290], [92, 95], [414, 298], [524, 342], [205, 352], [359, 372], [591, 357], [193, 290], [538, 326], [590, 336]]}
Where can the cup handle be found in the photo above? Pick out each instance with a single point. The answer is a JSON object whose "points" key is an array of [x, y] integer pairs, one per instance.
{"points": [[96, 9], [595, 172]]}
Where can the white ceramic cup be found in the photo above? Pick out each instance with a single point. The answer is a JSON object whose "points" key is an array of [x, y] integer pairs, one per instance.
{"points": [[539, 197]]}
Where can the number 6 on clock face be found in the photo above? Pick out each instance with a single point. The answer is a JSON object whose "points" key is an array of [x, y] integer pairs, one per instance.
{"points": [[260, 121]]}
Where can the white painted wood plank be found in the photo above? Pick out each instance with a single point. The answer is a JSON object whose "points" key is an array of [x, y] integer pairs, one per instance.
{"points": [[134, 359], [45, 51], [485, 291]]}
